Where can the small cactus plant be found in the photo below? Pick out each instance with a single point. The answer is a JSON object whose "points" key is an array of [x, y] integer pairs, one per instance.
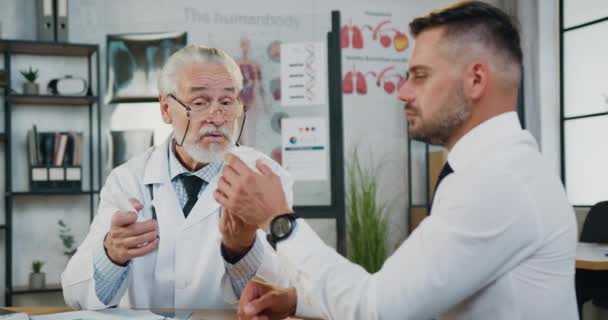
{"points": [[37, 266], [30, 75]]}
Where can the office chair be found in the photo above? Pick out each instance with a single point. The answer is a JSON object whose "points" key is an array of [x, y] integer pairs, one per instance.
{"points": [[590, 284]]}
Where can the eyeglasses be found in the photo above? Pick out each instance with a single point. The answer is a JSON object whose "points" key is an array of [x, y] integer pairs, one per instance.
{"points": [[229, 107], [229, 111]]}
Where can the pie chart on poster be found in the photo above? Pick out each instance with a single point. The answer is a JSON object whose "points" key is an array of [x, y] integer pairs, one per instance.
{"points": [[275, 121], [274, 51]]}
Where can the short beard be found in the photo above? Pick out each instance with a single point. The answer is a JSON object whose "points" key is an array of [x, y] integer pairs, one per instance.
{"points": [[214, 152], [450, 118]]}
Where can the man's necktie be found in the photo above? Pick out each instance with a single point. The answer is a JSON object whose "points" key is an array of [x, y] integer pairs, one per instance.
{"points": [[445, 171], [193, 185]]}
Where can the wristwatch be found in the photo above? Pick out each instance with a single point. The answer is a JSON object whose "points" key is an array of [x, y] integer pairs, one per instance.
{"points": [[281, 227]]}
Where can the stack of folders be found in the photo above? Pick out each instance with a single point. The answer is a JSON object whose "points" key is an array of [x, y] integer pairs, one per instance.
{"points": [[55, 160], [54, 148]]}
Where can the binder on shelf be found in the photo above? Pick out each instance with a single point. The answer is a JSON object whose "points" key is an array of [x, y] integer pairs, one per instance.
{"points": [[32, 146], [62, 20], [47, 145], [46, 20], [61, 143]]}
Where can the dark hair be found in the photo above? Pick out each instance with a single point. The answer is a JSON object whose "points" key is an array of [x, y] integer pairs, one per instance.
{"points": [[492, 27]]}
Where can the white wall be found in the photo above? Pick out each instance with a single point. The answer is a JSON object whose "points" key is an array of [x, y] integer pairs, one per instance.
{"points": [[548, 81], [371, 127], [539, 27]]}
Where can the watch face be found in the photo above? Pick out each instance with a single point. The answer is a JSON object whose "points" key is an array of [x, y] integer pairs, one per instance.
{"points": [[281, 227]]}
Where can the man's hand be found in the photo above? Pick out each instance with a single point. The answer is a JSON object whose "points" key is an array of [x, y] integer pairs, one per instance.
{"points": [[237, 235], [262, 301], [128, 239], [254, 197]]}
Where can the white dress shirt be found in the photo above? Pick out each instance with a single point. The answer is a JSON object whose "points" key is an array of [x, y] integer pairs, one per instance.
{"points": [[500, 244]]}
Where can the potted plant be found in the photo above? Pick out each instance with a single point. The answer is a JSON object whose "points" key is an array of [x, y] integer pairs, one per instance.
{"points": [[30, 86], [37, 277], [65, 234], [366, 224]]}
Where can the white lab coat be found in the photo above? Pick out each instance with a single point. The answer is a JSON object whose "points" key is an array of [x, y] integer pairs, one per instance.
{"points": [[187, 270]]}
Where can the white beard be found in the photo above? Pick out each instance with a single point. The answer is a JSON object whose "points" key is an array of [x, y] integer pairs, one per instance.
{"points": [[214, 152]]}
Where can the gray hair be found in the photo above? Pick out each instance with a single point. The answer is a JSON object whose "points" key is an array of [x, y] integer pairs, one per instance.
{"points": [[167, 81]]}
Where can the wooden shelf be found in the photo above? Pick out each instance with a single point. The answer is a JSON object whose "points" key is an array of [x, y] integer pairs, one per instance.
{"points": [[47, 48], [26, 289], [52, 193], [52, 100]]}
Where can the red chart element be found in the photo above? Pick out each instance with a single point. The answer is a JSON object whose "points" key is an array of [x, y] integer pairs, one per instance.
{"points": [[354, 80], [351, 34], [387, 35]]}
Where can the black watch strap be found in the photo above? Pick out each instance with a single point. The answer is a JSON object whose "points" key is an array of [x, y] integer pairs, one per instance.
{"points": [[272, 238], [271, 241]]}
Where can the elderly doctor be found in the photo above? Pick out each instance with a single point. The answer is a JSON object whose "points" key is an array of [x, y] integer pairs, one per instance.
{"points": [[160, 240]]}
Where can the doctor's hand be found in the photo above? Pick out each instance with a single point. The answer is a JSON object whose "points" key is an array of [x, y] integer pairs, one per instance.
{"points": [[128, 239], [237, 235], [263, 301], [255, 197]]}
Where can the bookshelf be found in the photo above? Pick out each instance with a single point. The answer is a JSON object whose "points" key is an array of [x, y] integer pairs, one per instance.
{"points": [[46, 48], [12, 103], [51, 100], [27, 290], [52, 193]]}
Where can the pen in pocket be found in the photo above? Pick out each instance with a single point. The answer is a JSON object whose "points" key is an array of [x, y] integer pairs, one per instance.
{"points": [[153, 209]]}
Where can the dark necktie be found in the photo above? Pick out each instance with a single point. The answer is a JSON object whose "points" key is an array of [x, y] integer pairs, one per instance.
{"points": [[445, 171], [193, 185]]}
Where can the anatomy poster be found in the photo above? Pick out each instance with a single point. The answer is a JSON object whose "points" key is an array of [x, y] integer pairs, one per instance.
{"points": [[253, 95], [257, 51]]}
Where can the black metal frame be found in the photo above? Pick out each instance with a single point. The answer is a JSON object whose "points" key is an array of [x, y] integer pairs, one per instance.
{"points": [[563, 118], [19, 47], [337, 208]]}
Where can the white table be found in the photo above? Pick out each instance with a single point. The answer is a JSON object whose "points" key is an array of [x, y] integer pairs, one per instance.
{"points": [[591, 256]]}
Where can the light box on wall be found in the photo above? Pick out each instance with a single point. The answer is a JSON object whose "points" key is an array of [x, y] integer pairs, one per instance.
{"points": [[134, 62]]}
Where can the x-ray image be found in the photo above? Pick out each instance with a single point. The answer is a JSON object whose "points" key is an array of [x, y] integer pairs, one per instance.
{"points": [[134, 62]]}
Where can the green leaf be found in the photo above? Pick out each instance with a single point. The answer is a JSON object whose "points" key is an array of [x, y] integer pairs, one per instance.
{"points": [[37, 266], [30, 75]]}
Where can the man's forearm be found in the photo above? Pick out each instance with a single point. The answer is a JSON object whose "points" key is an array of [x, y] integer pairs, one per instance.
{"points": [[245, 268], [108, 276]]}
